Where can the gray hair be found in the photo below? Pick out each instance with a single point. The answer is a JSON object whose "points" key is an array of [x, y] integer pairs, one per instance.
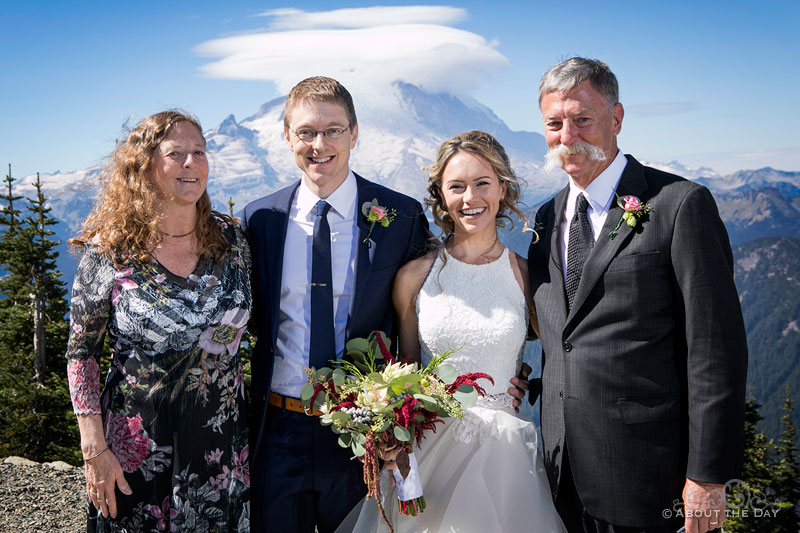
{"points": [[568, 74]]}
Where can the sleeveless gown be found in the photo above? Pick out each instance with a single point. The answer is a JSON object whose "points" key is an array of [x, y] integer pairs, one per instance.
{"points": [[482, 473]]}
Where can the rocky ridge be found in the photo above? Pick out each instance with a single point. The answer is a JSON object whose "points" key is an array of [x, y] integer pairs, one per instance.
{"points": [[41, 496]]}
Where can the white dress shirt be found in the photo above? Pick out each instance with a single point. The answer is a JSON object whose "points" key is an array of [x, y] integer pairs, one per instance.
{"points": [[294, 327], [600, 194]]}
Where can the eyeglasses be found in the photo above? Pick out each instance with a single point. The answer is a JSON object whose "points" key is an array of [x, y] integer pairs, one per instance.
{"points": [[308, 135]]}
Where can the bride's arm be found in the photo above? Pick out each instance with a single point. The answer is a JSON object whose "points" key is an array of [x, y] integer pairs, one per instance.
{"points": [[520, 268], [520, 384], [407, 284]]}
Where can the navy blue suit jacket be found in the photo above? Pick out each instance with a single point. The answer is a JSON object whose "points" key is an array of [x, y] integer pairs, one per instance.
{"points": [[265, 222]]}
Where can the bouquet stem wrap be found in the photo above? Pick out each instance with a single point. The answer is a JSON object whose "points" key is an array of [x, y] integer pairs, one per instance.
{"points": [[409, 490]]}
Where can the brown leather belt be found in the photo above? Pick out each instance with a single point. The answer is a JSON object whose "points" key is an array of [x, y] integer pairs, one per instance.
{"points": [[291, 404]]}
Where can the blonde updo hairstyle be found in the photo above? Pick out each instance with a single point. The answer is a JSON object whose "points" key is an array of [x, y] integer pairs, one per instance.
{"points": [[124, 221], [486, 147]]}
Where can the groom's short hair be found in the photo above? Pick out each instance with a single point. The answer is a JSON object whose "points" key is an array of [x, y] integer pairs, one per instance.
{"points": [[320, 89], [568, 74]]}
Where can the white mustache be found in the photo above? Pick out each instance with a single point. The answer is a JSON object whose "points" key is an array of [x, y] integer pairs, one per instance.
{"points": [[553, 158]]}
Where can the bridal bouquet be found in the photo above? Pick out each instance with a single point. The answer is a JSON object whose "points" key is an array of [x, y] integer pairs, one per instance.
{"points": [[373, 402]]}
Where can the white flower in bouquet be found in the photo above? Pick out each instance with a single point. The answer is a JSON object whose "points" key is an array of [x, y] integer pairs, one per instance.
{"points": [[397, 370], [374, 400]]}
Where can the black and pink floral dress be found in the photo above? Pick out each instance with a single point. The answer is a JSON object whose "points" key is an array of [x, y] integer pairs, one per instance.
{"points": [[173, 403]]}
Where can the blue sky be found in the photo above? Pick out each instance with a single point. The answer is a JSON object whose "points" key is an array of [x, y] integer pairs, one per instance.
{"points": [[704, 83]]}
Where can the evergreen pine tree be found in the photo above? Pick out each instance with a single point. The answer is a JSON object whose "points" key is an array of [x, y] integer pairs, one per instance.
{"points": [[11, 311], [35, 413], [787, 476], [47, 291], [11, 279], [757, 476]]}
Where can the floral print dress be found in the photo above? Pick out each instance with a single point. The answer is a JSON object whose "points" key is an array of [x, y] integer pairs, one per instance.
{"points": [[173, 403]]}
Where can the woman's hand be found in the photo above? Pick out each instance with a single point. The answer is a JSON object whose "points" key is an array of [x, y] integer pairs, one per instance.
{"points": [[103, 474], [102, 468], [389, 455]]}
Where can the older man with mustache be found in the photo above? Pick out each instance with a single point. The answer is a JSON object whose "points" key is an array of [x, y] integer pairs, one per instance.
{"points": [[644, 351]]}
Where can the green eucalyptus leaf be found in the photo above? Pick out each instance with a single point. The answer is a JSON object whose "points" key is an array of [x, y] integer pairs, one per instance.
{"points": [[357, 345], [339, 377], [358, 448], [306, 393], [403, 380], [340, 416], [402, 434], [447, 373], [466, 396], [428, 402], [345, 439], [324, 373]]}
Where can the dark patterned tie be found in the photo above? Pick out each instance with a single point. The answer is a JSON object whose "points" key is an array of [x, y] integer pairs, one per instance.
{"points": [[323, 343], [581, 240]]}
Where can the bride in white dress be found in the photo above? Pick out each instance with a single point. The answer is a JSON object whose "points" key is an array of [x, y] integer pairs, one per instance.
{"points": [[482, 473]]}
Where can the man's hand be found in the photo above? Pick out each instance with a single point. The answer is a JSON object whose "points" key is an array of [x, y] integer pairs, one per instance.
{"points": [[704, 504], [520, 386]]}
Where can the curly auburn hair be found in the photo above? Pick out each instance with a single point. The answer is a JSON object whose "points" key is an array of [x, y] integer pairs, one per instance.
{"points": [[124, 220], [486, 147]]}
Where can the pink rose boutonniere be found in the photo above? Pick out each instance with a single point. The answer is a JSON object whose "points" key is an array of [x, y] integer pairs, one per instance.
{"points": [[376, 214], [634, 208]]}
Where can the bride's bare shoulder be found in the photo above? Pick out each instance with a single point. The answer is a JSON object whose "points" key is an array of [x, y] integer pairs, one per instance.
{"points": [[412, 275]]}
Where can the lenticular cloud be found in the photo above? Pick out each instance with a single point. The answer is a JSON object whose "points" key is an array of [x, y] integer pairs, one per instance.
{"points": [[382, 45]]}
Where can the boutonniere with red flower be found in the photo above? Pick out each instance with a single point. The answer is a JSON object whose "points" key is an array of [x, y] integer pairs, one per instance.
{"points": [[634, 209], [376, 214]]}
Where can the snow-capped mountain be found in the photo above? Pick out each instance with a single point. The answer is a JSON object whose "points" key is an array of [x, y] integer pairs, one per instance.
{"points": [[400, 129]]}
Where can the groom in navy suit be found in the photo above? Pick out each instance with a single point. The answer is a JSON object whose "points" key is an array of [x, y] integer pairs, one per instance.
{"points": [[321, 275]]}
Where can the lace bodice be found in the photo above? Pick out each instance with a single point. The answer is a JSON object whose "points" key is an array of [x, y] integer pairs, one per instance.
{"points": [[481, 309]]}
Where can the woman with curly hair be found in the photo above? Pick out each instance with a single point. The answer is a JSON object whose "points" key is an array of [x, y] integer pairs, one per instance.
{"points": [[484, 472], [168, 280]]}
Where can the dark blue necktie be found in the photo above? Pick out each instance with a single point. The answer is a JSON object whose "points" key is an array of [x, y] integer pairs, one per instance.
{"points": [[323, 342], [581, 242]]}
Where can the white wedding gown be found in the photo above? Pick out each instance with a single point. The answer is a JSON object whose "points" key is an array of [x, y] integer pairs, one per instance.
{"points": [[482, 473]]}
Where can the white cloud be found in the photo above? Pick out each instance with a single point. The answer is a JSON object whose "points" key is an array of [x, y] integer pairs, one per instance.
{"points": [[430, 55], [295, 19]]}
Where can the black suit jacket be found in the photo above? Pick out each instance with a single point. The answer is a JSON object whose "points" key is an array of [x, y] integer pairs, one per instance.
{"points": [[644, 378], [265, 222]]}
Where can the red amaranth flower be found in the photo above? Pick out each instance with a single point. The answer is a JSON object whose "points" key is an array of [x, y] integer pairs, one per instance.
{"points": [[319, 387], [469, 379], [429, 423], [387, 355], [405, 413]]}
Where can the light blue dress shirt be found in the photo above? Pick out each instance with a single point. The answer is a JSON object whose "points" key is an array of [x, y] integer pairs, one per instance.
{"points": [[294, 328]]}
